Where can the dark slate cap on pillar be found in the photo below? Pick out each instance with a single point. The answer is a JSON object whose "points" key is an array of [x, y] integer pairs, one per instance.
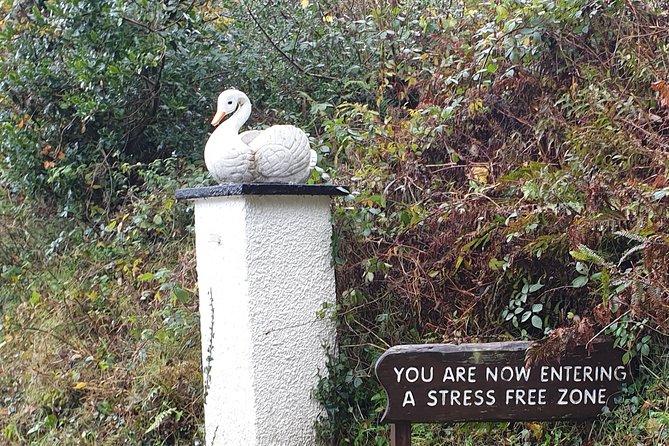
{"points": [[226, 190]]}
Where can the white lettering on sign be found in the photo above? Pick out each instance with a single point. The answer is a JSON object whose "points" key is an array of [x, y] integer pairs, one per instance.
{"points": [[468, 397], [582, 373], [460, 374], [452, 384], [412, 374], [525, 397], [581, 396], [507, 374], [399, 373], [408, 399]]}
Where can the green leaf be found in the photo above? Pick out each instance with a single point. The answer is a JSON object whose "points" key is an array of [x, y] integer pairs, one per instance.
{"points": [[580, 281], [537, 308], [537, 322], [536, 287], [34, 298], [502, 13], [145, 277], [495, 264], [180, 294], [50, 421]]}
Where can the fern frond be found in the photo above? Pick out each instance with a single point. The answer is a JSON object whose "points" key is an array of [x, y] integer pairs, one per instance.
{"points": [[631, 236], [586, 254], [631, 251], [158, 420]]}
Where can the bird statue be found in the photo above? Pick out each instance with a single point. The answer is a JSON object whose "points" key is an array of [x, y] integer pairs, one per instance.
{"points": [[278, 154]]}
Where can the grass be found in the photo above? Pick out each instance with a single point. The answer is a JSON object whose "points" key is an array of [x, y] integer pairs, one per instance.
{"points": [[99, 342]]}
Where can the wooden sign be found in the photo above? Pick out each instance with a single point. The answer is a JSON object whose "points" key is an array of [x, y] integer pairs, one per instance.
{"points": [[489, 382]]}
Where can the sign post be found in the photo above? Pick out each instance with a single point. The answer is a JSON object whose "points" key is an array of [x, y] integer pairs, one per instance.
{"points": [[444, 383]]}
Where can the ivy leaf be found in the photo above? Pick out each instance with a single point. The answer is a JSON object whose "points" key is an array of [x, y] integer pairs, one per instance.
{"points": [[536, 287], [537, 322], [581, 268], [180, 294], [579, 282]]}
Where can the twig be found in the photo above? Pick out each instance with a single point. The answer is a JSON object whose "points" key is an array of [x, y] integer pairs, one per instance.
{"points": [[138, 24], [587, 345]]}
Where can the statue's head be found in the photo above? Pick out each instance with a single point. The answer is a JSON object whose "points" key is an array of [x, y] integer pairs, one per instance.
{"points": [[228, 101]]}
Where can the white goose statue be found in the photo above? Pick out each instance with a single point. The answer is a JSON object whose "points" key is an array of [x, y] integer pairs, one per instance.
{"points": [[278, 154]]}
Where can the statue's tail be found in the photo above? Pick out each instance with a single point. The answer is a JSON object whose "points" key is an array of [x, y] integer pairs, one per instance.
{"points": [[313, 159]]}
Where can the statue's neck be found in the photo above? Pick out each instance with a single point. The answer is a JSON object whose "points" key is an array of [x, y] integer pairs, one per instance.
{"points": [[241, 115]]}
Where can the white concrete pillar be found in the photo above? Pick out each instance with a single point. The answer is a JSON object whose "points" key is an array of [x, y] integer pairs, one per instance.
{"points": [[264, 271]]}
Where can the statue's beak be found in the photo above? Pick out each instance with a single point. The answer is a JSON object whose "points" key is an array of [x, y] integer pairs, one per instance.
{"points": [[218, 117]]}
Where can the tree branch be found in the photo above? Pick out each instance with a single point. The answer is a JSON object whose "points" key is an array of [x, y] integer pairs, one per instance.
{"points": [[282, 53]]}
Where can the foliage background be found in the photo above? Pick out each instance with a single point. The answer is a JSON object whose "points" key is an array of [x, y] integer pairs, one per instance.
{"points": [[508, 162]]}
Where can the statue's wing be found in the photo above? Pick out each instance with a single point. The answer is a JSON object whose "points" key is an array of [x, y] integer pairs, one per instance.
{"points": [[281, 151], [249, 136]]}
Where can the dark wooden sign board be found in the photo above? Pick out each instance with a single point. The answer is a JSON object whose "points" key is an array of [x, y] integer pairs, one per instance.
{"points": [[444, 383]]}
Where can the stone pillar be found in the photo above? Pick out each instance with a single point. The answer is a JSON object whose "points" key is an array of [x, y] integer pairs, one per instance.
{"points": [[264, 270]]}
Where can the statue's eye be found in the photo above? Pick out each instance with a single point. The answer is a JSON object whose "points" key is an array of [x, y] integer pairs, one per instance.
{"points": [[229, 102]]}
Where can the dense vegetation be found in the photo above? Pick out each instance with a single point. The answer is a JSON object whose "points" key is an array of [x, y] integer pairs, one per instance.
{"points": [[508, 161]]}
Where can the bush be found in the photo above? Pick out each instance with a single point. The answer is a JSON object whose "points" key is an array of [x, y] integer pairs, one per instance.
{"points": [[91, 86]]}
